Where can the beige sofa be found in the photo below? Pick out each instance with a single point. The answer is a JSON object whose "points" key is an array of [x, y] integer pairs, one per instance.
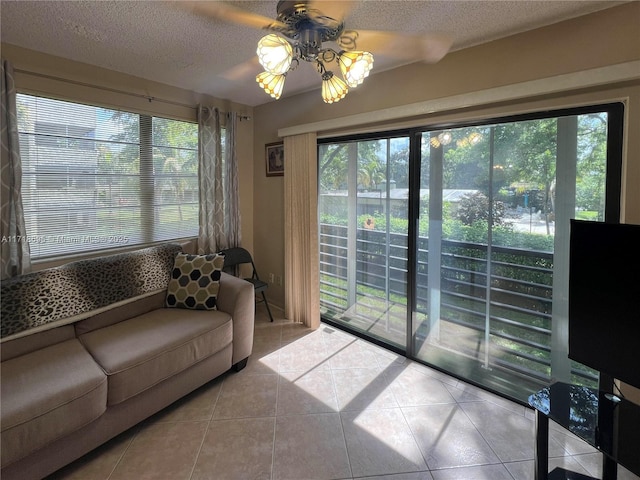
{"points": [[89, 350]]}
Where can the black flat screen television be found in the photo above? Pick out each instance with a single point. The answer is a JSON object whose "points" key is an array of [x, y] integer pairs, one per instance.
{"points": [[604, 298]]}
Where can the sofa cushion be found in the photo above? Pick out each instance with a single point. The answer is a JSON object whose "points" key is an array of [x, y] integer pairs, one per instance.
{"points": [[195, 281], [138, 353], [48, 394], [30, 343], [119, 313]]}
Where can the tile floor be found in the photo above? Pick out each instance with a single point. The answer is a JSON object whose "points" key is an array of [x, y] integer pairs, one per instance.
{"points": [[326, 405]]}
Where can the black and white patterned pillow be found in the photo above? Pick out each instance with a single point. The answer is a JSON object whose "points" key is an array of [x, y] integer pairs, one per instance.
{"points": [[195, 281]]}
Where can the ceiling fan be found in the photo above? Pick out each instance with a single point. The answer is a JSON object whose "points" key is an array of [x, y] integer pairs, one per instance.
{"points": [[301, 31]]}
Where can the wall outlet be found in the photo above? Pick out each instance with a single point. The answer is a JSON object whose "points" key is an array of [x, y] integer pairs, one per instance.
{"points": [[271, 278]]}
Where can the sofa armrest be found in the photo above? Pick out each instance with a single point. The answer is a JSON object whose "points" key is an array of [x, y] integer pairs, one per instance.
{"points": [[237, 298]]}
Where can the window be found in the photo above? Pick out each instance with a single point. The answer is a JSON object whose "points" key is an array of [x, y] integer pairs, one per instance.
{"points": [[451, 245], [94, 178]]}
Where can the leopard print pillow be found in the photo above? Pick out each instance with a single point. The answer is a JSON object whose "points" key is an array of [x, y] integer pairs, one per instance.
{"points": [[38, 298]]}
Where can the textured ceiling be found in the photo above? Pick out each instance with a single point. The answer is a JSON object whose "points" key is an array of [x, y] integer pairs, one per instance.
{"points": [[169, 43]]}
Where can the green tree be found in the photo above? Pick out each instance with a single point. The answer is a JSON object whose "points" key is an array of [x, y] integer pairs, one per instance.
{"points": [[333, 164], [592, 163], [528, 151], [399, 168], [466, 159], [474, 207]]}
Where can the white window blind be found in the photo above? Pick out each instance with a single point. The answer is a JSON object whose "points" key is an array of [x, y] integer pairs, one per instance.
{"points": [[94, 178]]}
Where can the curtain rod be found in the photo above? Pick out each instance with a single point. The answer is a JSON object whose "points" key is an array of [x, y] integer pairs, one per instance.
{"points": [[115, 90]]}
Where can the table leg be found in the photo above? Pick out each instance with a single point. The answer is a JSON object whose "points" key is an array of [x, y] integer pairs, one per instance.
{"points": [[609, 468], [541, 464]]}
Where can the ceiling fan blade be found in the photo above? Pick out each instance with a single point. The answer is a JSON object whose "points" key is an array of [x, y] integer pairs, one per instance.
{"points": [[428, 48], [338, 10], [243, 71], [228, 13]]}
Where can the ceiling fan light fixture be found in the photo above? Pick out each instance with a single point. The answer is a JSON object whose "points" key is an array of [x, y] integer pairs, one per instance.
{"points": [[355, 66], [474, 138], [333, 88], [271, 83], [274, 54], [445, 137], [303, 31]]}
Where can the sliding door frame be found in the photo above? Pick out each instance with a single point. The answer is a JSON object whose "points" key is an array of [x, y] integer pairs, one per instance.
{"points": [[614, 160]]}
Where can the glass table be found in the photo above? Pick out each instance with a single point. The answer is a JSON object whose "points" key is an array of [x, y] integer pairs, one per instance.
{"points": [[603, 420]]}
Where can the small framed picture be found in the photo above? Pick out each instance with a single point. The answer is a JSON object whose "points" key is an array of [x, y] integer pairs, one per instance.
{"points": [[274, 155]]}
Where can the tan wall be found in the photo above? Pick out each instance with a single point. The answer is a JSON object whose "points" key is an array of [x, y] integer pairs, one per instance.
{"points": [[598, 40], [67, 80]]}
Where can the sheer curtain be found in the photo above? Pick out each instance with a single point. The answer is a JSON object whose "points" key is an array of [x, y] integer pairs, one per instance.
{"points": [[219, 215], [16, 259], [302, 292]]}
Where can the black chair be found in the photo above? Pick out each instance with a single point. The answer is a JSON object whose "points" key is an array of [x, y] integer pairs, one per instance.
{"points": [[238, 256]]}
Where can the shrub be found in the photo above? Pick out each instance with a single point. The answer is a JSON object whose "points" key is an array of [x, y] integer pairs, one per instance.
{"points": [[474, 207]]}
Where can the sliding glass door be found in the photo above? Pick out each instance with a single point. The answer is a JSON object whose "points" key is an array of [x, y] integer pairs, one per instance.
{"points": [[363, 209], [452, 244]]}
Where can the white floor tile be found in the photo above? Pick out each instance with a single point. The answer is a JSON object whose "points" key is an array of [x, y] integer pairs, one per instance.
{"points": [[326, 405]]}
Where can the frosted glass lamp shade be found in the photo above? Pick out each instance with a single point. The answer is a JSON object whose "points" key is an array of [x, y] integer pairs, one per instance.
{"points": [[355, 66], [274, 54], [271, 83], [333, 88]]}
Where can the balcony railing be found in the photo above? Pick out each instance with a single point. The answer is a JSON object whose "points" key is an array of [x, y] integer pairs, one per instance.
{"points": [[511, 297]]}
